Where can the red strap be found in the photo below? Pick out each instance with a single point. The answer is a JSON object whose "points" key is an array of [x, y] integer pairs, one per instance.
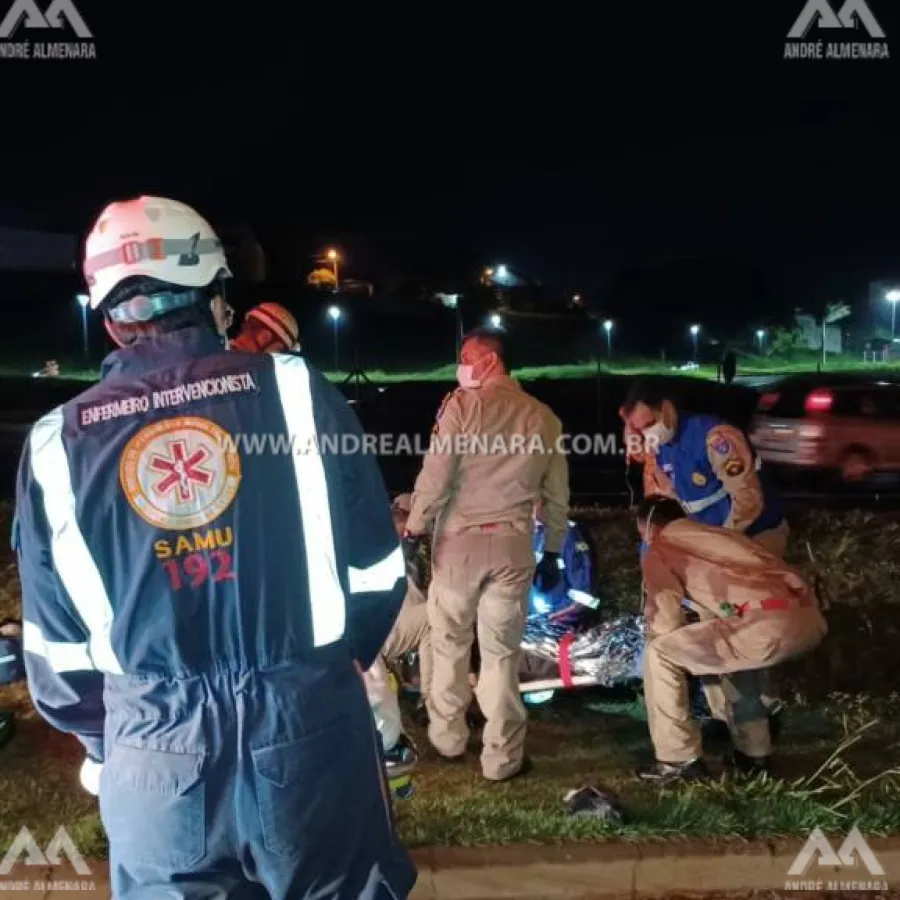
{"points": [[565, 659], [774, 604]]}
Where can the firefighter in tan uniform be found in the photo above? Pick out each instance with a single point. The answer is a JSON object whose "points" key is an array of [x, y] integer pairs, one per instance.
{"points": [[495, 455], [755, 611]]}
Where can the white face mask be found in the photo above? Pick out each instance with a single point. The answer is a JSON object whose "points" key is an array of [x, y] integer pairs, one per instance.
{"points": [[656, 435], [464, 377]]}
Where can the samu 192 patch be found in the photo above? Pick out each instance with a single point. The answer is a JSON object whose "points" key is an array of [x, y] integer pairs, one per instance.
{"points": [[699, 479], [734, 467]]}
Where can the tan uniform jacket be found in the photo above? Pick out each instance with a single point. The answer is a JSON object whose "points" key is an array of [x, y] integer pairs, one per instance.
{"points": [[510, 461], [720, 572]]}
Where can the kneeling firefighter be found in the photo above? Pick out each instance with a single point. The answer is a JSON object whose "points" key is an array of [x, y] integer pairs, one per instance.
{"points": [[198, 615], [755, 612]]}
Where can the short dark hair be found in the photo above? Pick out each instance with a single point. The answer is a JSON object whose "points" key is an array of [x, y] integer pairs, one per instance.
{"points": [[652, 392], [198, 314], [662, 510], [490, 339]]}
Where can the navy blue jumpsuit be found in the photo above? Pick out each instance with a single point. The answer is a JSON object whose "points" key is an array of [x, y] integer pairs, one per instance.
{"points": [[206, 564]]}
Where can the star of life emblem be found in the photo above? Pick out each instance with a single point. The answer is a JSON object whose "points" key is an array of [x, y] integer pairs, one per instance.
{"points": [[180, 473]]}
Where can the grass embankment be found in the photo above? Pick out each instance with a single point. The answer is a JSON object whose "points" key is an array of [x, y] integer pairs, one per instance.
{"points": [[747, 365], [841, 741]]}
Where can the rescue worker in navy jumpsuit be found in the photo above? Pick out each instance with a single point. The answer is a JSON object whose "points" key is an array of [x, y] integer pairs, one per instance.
{"points": [[711, 469], [205, 572]]}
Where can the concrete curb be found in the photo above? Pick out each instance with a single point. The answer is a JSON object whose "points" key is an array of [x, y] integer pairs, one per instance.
{"points": [[588, 871], [581, 871]]}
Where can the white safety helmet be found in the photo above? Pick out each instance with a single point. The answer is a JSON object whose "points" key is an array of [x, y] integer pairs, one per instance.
{"points": [[151, 237]]}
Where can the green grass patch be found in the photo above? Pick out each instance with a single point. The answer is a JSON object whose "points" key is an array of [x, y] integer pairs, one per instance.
{"points": [[830, 777], [747, 365], [840, 744]]}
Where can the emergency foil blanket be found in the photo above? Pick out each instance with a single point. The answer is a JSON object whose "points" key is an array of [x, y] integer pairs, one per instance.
{"points": [[609, 653]]}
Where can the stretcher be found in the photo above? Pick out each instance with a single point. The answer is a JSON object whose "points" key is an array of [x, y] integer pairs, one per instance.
{"points": [[570, 642]]}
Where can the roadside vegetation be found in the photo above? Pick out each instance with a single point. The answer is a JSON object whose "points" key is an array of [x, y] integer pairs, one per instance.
{"points": [[839, 757]]}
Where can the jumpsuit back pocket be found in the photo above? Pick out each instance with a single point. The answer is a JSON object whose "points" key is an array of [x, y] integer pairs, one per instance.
{"points": [[152, 804], [307, 788]]}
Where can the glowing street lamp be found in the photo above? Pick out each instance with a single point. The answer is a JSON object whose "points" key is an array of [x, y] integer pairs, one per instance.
{"points": [[502, 273], [334, 258], [761, 337], [496, 321], [892, 298], [608, 327], [695, 330], [334, 314], [83, 301]]}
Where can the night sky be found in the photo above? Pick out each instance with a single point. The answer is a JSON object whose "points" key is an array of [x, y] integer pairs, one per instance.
{"points": [[571, 141]]}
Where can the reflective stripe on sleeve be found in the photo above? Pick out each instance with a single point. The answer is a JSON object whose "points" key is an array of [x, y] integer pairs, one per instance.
{"points": [[326, 596], [697, 506], [382, 576], [72, 559], [61, 657]]}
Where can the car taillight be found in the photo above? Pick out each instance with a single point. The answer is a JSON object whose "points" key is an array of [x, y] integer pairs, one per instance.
{"points": [[767, 401], [819, 401]]}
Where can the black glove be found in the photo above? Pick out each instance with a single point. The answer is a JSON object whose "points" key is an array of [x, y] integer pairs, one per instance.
{"points": [[546, 575], [415, 564]]}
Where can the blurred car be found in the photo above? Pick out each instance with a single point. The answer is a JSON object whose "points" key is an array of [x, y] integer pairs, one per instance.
{"points": [[849, 426]]}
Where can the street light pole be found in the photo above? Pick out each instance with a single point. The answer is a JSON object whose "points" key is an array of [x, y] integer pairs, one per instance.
{"points": [[334, 260], [608, 326], [83, 301], [335, 314], [893, 297], [695, 330]]}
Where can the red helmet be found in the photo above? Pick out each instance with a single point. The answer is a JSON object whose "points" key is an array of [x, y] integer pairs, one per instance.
{"points": [[268, 328]]}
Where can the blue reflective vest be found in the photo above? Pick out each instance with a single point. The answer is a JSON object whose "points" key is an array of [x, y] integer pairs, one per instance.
{"points": [[685, 462], [155, 545], [575, 585]]}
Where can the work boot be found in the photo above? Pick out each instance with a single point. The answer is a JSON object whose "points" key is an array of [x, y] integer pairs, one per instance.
{"points": [[749, 766], [401, 759], [664, 772]]}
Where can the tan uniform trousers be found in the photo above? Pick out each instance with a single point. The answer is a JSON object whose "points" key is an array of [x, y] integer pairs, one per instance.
{"points": [[775, 540], [480, 578], [733, 645], [411, 632]]}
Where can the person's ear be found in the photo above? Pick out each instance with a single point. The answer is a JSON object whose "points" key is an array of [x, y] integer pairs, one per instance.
{"points": [[111, 332], [487, 364]]}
